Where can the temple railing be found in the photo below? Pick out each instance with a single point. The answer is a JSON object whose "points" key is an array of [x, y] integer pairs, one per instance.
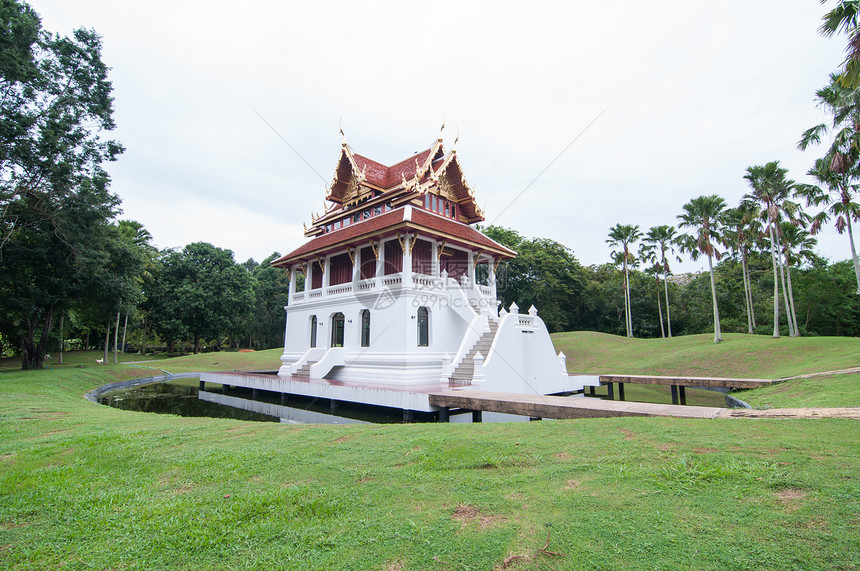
{"points": [[415, 282]]}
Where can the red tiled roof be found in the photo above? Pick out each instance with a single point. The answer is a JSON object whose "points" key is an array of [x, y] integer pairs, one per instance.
{"points": [[457, 229], [385, 177], [371, 226], [376, 225]]}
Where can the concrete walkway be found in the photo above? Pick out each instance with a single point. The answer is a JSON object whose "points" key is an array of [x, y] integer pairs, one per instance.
{"points": [[539, 406]]}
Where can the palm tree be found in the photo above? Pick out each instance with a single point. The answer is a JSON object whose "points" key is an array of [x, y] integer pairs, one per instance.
{"points": [[797, 245], [844, 18], [771, 189], [625, 235], [838, 200], [663, 237], [741, 227], [843, 103], [649, 257], [705, 216]]}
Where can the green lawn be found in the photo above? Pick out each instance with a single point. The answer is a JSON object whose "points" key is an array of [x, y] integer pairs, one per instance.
{"points": [[85, 486], [739, 356]]}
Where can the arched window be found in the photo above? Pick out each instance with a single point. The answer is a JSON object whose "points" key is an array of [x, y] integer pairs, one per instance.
{"points": [[365, 328], [337, 330], [423, 327], [313, 331]]}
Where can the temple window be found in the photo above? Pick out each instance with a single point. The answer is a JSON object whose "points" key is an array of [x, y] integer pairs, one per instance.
{"points": [[423, 327], [365, 328], [313, 342], [377, 209], [337, 330]]}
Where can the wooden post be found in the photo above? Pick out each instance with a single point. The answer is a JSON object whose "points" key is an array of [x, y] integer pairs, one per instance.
{"points": [[674, 394], [476, 416], [444, 415], [620, 391], [610, 391]]}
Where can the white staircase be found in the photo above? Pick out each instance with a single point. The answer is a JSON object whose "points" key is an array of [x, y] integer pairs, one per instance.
{"points": [[465, 371]]}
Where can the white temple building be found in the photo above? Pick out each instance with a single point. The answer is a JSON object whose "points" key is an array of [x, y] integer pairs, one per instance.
{"points": [[399, 289]]}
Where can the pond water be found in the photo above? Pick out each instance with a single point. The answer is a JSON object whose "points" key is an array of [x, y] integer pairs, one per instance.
{"points": [[182, 397]]}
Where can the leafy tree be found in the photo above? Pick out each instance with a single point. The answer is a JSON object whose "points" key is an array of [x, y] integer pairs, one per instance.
{"points": [[56, 102], [205, 294], [545, 274], [271, 291], [625, 235], [704, 215], [54, 203]]}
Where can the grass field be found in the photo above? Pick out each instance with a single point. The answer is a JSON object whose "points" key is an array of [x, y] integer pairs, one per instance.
{"points": [[85, 486], [738, 356]]}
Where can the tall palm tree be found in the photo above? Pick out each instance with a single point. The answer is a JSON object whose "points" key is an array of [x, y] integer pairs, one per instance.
{"points": [[844, 17], [663, 237], [741, 228], [843, 104], [797, 245], [771, 189], [838, 200], [625, 235], [648, 255], [704, 215]]}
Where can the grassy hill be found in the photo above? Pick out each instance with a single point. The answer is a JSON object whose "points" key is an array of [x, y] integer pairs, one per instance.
{"points": [[749, 356], [88, 486]]}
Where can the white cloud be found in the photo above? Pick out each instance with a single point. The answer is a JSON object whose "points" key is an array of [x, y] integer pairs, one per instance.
{"points": [[693, 93]]}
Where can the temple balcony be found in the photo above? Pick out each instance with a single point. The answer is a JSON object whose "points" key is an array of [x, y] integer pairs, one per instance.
{"points": [[399, 283]]}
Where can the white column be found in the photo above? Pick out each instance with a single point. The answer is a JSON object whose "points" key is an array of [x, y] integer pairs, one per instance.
{"points": [[356, 269], [434, 253], [292, 283], [471, 268], [407, 260], [380, 260], [309, 277], [491, 279], [326, 274]]}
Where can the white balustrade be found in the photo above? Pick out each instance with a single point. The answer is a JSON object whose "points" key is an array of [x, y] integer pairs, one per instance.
{"points": [[339, 289]]}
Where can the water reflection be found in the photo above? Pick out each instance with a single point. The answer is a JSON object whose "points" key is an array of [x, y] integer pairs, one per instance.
{"points": [[182, 397], [177, 397]]}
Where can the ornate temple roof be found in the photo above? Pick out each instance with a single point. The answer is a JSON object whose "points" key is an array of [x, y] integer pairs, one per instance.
{"points": [[368, 200], [358, 179]]}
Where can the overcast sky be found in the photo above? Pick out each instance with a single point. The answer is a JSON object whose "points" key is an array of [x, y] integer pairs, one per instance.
{"points": [[688, 94]]}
